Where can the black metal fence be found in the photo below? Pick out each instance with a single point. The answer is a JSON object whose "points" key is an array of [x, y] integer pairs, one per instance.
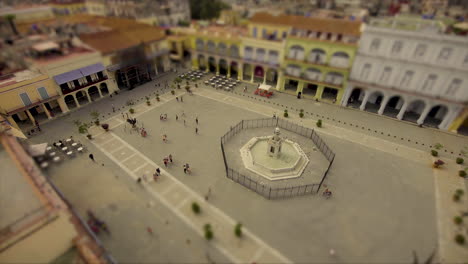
{"points": [[262, 189]]}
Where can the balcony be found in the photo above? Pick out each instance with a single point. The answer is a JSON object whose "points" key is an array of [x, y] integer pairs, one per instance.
{"points": [[261, 62], [78, 87], [308, 62], [303, 77]]}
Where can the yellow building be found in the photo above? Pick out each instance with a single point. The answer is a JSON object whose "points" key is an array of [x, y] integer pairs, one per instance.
{"points": [[68, 7], [28, 97], [28, 13], [460, 124]]}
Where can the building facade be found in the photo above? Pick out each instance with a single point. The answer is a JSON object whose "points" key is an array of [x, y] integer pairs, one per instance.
{"points": [[409, 70]]}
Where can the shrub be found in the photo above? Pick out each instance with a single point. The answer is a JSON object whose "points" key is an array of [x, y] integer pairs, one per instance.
{"points": [[195, 208], [319, 123], [460, 160], [209, 234], [285, 114], [238, 230], [105, 126], [172, 92], [461, 173], [434, 153], [131, 110], [148, 103], [157, 97], [458, 220], [438, 163], [456, 197], [460, 239], [459, 192], [301, 115], [438, 146]]}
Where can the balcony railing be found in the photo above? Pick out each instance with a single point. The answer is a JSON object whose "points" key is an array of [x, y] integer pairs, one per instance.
{"points": [[78, 87], [303, 77], [315, 63], [268, 63]]}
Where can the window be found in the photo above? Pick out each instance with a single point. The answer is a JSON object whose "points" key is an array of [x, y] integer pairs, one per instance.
{"points": [[254, 32], [420, 50], [94, 77], [385, 74], [405, 82], [260, 54], [397, 46], [444, 54], [264, 33], [375, 44], [365, 71], [454, 87], [25, 98], [82, 81], [429, 83], [71, 85], [285, 34], [43, 92]]}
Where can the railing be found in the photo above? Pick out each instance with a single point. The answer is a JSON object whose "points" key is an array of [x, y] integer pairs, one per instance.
{"points": [[78, 87], [262, 189]]}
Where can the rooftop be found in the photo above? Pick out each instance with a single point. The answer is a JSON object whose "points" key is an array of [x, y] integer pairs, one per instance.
{"points": [[339, 26], [224, 31], [409, 24], [17, 77], [72, 52], [16, 193]]}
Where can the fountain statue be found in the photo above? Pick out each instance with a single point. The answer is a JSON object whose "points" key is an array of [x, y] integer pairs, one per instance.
{"points": [[274, 144]]}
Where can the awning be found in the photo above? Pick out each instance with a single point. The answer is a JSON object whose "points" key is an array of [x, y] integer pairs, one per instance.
{"points": [[264, 87], [37, 150], [78, 73], [48, 45]]}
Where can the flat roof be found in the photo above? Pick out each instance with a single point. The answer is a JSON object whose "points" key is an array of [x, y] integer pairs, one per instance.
{"points": [[18, 77], [17, 196], [72, 53]]}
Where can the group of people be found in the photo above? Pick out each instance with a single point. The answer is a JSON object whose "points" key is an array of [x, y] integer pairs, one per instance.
{"points": [[167, 160], [96, 224], [163, 117], [327, 193]]}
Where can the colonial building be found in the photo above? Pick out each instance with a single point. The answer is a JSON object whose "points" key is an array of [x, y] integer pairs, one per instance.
{"points": [[408, 69]]}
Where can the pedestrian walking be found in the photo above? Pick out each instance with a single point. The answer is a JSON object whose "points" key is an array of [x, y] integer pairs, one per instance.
{"points": [[149, 230], [185, 169], [181, 99], [207, 196], [245, 88], [158, 170], [123, 116], [165, 162], [183, 114], [91, 156], [177, 98], [176, 117], [170, 158], [196, 130], [113, 108], [184, 122], [139, 180], [155, 176], [196, 120], [164, 137]]}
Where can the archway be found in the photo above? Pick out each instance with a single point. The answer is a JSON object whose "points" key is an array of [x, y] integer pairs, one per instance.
{"points": [[212, 64], [313, 74], [247, 72], [70, 101], [200, 45], [81, 97], [272, 77], [201, 62], [355, 99], [222, 49], [104, 89], [93, 93], [340, 59], [329, 93], [291, 85], [234, 70], [414, 110], [234, 51], [334, 78], [436, 116], [317, 56], [296, 52], [310, 89], [373, 104], [259, 73], [223, 67], [393, 106]]}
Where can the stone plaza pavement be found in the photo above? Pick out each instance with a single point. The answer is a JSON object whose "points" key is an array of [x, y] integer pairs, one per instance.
{"points": [[178, 197]]}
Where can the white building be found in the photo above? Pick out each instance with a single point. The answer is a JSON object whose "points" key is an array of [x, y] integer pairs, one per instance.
{"points": [[410, 70]]}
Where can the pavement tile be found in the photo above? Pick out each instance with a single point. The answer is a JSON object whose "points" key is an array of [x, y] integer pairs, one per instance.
{"points": [[134, 162], [122, 153], [176, 195]]}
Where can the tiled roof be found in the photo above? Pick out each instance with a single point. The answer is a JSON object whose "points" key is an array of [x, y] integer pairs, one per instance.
{"points": [[339, 26]]}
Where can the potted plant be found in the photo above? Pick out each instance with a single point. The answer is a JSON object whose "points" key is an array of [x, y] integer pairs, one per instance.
{"points": [[173, 92], [438, 163], [157, 97], [319, 123], [462, 173], [95, 116], [456, 197], [460, 160], [434, 153], [105, 127], [459, 192], [196, 208], [460, 239], [187, 88], [131, 110], [285, 114], [82, 128], [301, 113], [458, 220], [438, 146], [238, 230], [208, 232]]}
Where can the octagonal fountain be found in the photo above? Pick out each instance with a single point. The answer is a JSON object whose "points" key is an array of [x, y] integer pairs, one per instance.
{"points": [[273, 157]]}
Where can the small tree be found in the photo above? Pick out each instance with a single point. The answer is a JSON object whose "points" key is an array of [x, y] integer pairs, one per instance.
{"points": [[173, 92], [131, 110], [459, 192], [285, 114], [438, 146], [458, 220], [462, 173], [460, 239], [95, 116], [301, 113], [438, 163], [187, 88], [208, 232], [460, 160], [456, 197], [319, 123], [157, 97], [105, 127], [238, 230], [434, 153], [195, 208]]}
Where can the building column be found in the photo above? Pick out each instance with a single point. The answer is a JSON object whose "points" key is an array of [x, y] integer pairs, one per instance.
{"points": [[252, 75], [166, 63], [346, 96], [126, 79], [46, 111], [318, 94], [449, 117], [217, 67], [240, 71], [265, 75], [383, 105], [364, 100], [76, 100], [424, 114], [339, 96], [459, 120], [300, 87], [280, 82], [99, 90], [402, 112], [63, 106], [89, 97], [30, 116], [137, 74], [229, 70]]}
